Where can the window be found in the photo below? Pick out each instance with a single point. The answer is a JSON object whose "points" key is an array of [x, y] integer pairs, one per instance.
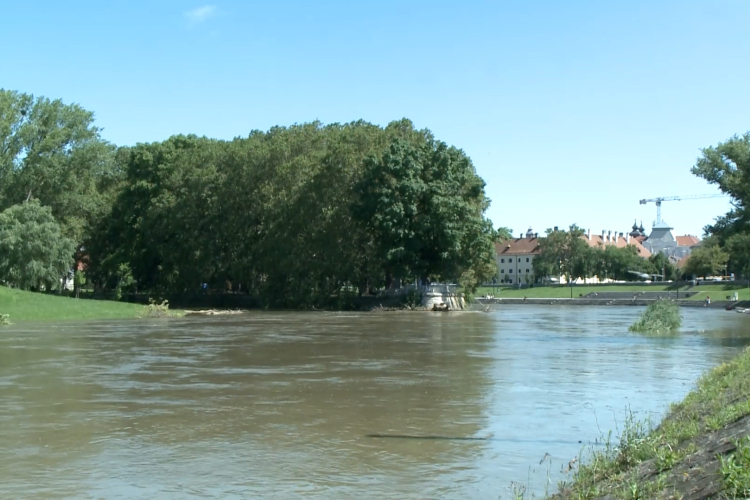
{"points": [[527, 259], [527, 270], [502, 261], [502, 271], [510, 271], [510, 280]]}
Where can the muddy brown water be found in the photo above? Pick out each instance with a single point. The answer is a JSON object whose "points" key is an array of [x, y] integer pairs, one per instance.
{"points": [[333, 405]]}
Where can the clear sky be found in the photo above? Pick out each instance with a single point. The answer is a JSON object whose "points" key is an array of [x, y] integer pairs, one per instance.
{"points": [[572, 111]]}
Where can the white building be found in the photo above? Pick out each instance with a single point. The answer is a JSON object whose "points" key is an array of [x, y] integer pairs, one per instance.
{"points": [[515, 258]]}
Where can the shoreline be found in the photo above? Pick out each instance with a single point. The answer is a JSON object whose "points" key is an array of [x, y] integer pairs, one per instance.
{"points": [[700, 450], [584, 301]]}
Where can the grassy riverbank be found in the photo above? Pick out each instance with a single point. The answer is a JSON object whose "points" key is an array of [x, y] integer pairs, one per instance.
{"points": [[700, 450], [30, 306], [715, 291]]}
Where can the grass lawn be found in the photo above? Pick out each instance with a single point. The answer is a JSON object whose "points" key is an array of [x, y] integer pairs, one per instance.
{"points": [[30, 306], [720, 292], [715, 291]]}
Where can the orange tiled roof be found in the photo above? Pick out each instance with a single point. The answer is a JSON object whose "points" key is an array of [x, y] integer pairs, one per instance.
{"points": [[687, 240], [620, 242], [518, 246]]}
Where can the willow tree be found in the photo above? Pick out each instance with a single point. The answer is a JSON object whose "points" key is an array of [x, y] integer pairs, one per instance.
{"points": [[34, 253]]}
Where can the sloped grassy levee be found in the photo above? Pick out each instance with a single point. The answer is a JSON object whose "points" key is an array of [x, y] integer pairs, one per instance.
{"points": [[701, 449], [19, 305]]}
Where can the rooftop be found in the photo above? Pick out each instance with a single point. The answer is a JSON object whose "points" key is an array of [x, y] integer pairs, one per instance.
{"points": [[619, 241], [518, 246], [687, 240]]}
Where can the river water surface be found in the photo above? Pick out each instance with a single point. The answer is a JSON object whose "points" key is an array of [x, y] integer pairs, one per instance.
{"points": [[333, 405]]}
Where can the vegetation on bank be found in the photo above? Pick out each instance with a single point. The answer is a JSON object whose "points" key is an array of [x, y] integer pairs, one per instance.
{"points": [[21, 305], [701, 447], [296, 216], [660, 317]]}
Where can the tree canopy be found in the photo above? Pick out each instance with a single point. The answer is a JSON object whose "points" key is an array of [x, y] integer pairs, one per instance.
{"points": [[727, 166], [296, 215], [52, 152], [567, 253], [706, 260], [34, 254]]}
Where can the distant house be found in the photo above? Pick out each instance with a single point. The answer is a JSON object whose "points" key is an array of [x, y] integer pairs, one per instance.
{"points": [[515, 257], [619, 240], [687, 240], [661, 240]]}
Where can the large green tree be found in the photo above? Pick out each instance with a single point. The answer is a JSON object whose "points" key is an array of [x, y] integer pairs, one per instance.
{"points": [[284, 214], [662, 265], [34, 253], [727, 166], [561, 253], [621, 263], [706, 260], [51, 151], [423, 205]]}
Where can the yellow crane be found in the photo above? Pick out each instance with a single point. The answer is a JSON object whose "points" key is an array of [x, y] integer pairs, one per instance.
{"points": [[658, 201]]}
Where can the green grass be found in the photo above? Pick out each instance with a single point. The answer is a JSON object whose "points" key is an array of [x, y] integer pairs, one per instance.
{"points": [[735, 470], [30, 306], [721, 398], [720, 292], [716, 292]]}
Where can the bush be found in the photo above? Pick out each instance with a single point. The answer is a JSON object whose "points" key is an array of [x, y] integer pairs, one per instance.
{"points": [[662, 316], [156, 310], [4, 319], [413, 299]]}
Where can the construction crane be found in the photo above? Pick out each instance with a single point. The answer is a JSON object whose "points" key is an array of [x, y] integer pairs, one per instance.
{"points": [[675, 198]]}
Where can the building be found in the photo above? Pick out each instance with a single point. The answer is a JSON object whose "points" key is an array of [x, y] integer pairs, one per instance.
{"points": [[515, 258], [661, 240], [620, 240]]}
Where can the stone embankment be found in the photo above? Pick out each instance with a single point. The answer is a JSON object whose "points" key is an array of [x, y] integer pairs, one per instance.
{"points": [[589, 301]]}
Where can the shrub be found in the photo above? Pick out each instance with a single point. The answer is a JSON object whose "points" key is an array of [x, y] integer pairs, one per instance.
{"points": [[735, 470], [662, 316], [157, 310], [413, 299], [4, 319]]}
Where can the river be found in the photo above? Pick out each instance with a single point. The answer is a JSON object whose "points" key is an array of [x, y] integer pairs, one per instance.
{"points": [[299, 405]]}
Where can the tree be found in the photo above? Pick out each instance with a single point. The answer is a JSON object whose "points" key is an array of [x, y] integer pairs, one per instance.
{"points": [[706, 260], [661, 264], [52, 152], [79, 280], [728, 167], [738, 247], [620, 263], [561, 253], [34, 254], [503, 234], [424, 206]]}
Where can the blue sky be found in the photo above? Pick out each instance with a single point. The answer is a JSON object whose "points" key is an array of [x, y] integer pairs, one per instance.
{"points": [[571, 111]]}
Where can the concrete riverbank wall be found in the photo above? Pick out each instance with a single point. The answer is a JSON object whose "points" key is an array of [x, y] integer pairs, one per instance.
{"points": [[719, 304]]}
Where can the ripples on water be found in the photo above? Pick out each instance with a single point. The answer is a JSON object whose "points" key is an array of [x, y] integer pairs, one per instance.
{"points": [[328, 406]]}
